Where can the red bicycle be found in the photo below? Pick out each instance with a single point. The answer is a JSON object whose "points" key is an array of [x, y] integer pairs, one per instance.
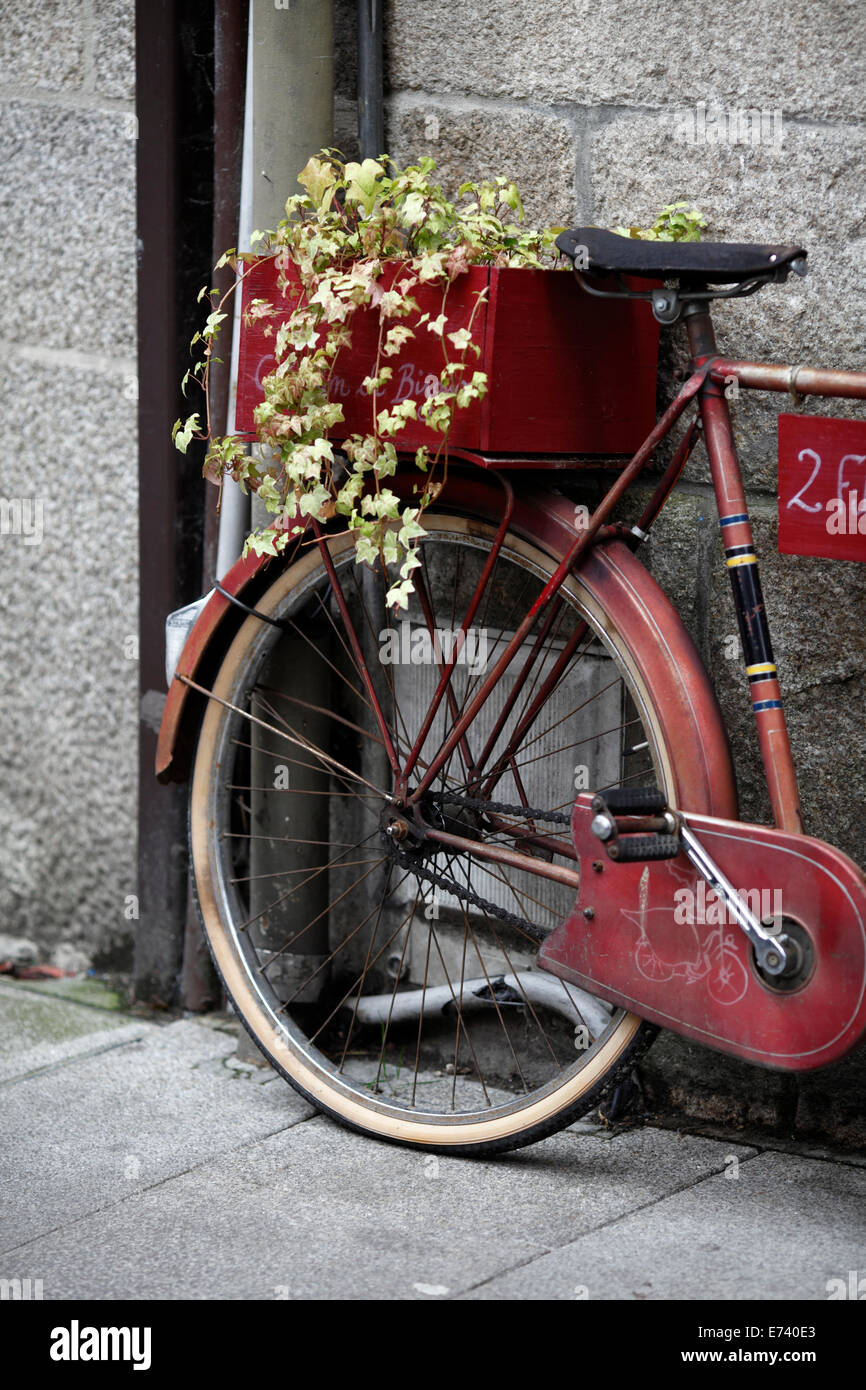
{"points": [[435, 856]]}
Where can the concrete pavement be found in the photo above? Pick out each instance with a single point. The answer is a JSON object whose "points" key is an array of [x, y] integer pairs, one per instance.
{"points": [[141, 1159]]}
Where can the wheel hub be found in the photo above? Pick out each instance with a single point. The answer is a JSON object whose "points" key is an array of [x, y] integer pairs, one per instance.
{"points": [[408, 830]]}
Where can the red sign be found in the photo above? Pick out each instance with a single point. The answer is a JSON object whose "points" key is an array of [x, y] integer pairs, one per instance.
{"points": [[822, 487], [567, 374]]}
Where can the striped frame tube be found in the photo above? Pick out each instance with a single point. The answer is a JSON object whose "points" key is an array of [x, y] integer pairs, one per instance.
{"points": [[742, 566]]}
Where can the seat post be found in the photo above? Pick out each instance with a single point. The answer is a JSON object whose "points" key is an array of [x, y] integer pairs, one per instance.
{"points": [[699, 326]]}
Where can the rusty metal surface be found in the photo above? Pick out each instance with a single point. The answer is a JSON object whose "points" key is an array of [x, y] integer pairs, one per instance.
{"points": [[742, 565], [671, 475], [462, 724], [357, 653], [498, 854], [634, 603], [569, 561], [801, 381], [204, 634]]}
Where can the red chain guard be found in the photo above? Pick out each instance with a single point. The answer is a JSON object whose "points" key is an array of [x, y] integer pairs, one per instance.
{"points": [[697, 976]]}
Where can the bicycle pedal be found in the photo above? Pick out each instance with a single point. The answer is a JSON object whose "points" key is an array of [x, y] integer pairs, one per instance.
{"points": [[630, 801], [634, 824]]}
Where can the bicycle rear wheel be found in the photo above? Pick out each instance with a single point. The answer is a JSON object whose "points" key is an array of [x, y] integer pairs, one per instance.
{"points": [[392, 981]]}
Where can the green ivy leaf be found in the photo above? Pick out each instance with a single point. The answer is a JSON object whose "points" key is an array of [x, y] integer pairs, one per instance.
{"points": [[183, 433]]}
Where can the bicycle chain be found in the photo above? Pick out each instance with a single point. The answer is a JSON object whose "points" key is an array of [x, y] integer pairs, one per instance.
{"points": [[466, 893], [524, 812]]}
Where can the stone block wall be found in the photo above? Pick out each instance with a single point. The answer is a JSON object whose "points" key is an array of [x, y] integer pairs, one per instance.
{"points": [[68, 552], [595, 109]]}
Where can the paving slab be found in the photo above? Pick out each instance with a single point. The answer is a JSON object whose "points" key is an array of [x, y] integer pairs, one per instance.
{"points": [[36, 1030], [78, 989], [143, 1159], [776, 1226], [88, 1131], [319, 1212]]}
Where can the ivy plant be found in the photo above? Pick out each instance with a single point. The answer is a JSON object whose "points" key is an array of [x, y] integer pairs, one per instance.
{"points": [[675, 222], [361, 235], [367, 235]]}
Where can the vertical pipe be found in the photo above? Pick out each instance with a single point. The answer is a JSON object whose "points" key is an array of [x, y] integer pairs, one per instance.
{"points": [[371, 125], [234, 519], [162, 889], [230, 56], [289, 115], [292, 117], [293, 95]]}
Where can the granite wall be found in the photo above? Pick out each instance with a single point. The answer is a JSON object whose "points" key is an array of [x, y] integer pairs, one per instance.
{"points": [[68, 473]]}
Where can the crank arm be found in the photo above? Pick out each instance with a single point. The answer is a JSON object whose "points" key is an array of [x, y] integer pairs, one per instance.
{"points": [[644, 808], [769, 950]]}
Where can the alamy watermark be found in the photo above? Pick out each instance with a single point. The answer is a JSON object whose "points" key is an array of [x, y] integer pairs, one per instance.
{"points": [[846, 515], [418, 646], [77, 1343], [20, 1290], [707, 907], [711, 124], [853, 1288], [23, 516]]}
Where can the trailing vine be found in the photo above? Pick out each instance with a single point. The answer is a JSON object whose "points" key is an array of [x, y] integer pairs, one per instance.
{"points": [[361, 236], [366, 236], [675, 222]]}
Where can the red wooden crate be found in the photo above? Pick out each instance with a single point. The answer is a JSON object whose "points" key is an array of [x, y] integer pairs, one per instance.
{"points": [[567, 374]]}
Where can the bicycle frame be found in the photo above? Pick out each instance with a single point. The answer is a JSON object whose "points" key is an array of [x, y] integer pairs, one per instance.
{"points": [[709, 376], [623, 939], [705, 387], [738, 541]]}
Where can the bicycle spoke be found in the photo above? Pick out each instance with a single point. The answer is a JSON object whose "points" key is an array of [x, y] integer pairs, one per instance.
{"points": [[300, 743], [324, 913], [320, 709], [397, 973], [282, 898], [363, 976], [458, 1003], [516, 974]]}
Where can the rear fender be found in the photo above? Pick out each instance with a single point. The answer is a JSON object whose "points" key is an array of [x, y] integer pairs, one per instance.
{"points": [[627, 593], [203, 650]]}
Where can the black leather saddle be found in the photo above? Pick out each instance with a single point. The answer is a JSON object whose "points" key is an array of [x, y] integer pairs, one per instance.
{"points": [[716, 262]]}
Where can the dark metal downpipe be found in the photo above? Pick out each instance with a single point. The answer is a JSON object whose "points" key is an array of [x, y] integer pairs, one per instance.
{"points": [[371, 122]]}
